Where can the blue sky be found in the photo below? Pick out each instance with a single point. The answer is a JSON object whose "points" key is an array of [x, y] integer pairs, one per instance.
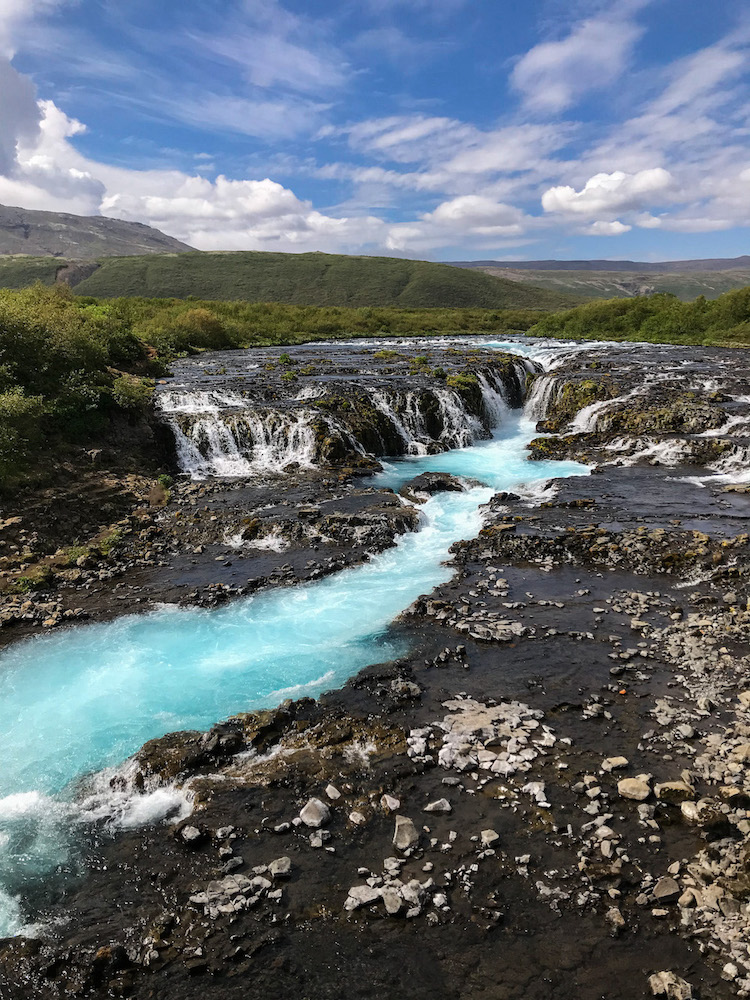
{"points": [[444, 129]]}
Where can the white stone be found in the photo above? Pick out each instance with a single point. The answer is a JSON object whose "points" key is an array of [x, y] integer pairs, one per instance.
{"points": [[361, 895], [315, 814], [405, 834], [439, 806]]}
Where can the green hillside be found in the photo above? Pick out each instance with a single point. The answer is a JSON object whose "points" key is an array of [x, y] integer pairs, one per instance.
{"points": [[312, 279], [20, 271]]}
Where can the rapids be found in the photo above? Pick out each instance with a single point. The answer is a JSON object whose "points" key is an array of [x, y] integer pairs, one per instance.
{"points": [[79, 702]]}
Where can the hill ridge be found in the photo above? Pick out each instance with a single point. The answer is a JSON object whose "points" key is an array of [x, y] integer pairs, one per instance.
{"points": [[644, 267], [303, 279], [34, 233]]}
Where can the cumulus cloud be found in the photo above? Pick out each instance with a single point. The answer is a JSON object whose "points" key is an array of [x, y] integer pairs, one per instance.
{"points": [[604, 193], [209, 214], [15, 13], [614, 228], [554, 75], [478, 214], [19, 114]]}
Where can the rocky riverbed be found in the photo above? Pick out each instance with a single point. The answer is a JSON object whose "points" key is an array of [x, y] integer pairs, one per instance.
{"points": [[548, 797]]}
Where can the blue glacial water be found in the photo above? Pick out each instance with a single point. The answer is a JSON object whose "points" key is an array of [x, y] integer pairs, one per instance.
{"points": [[85, 699]]}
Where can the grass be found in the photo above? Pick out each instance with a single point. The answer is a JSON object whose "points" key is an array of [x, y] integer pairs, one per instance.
{"points": [[20, 272], [308, 279]]}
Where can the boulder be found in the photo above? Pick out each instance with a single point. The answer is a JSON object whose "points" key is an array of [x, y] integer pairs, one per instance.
{"points": [[674, 791], [429, 483], [315, 814], [405, 835], [361, 895], [634, 788], [666, 890], [280, 868], [439, 806]]}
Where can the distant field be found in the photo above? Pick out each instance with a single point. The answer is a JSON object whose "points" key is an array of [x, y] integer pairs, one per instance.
{"points": [[311, 279], [627, 284]]}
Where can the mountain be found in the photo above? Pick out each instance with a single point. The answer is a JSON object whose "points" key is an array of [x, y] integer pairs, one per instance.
{"points": [[314, 279], [605, 279], [56, 234], [643, 267]]}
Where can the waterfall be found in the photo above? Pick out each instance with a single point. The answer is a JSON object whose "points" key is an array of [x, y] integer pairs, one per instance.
{"points": [[408, 423], [222, 433], [539, 400], [460, 428], [494, 397], [586, 419], [242, 444]]}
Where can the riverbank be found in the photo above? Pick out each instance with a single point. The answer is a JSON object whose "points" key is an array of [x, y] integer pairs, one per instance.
{"points": [[565, 735]]}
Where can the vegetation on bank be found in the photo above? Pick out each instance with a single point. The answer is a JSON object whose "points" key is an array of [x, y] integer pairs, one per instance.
{"points": [[658, 319], [72, 366], [305, 279]]}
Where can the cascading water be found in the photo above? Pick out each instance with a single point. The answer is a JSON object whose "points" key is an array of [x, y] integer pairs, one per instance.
{"points": [[243, 443], [541, 396], [407, 421], [86, 698], [586, 419]]}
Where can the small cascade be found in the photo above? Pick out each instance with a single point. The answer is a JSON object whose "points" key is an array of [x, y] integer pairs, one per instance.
{"points": [[408, 422], [460, 428], [630, 451], [733, 466], [496, 405], [586, 419], [540, 398], [241, 444], [211, 401]]}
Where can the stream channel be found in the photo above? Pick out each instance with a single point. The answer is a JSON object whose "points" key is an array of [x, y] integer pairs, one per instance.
{"points": [[75, 705]]}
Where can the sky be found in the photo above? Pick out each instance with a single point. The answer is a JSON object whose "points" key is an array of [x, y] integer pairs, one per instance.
{"points": [[433, 129]]}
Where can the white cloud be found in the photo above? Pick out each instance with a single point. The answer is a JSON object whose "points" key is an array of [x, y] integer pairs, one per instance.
{"points": [[615, 228], [554, 75], [16, 13], [515, 148], [615, 192], [479, 214], [19, 115], [273, 60], [406, 138], [265, 119]]}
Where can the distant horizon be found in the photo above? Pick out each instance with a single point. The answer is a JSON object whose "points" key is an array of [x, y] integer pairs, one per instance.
{"points": [[456, 260]]}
